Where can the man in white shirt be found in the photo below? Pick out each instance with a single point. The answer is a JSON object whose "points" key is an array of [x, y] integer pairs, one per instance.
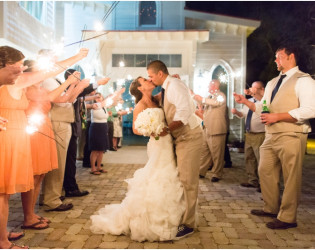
{"points": [[185, 128], [291, 103], [62, 115], [254, 136]]}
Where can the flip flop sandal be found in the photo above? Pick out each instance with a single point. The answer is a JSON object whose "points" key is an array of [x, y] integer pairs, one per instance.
{"points": [[43, 219], [102, 171], [33, 226], [96, 172], [11, 238], [15, 245]]}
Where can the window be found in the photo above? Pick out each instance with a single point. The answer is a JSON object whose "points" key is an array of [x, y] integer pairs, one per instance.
{"points": [[43, 11], [35, 8], [152, 57], [142, 60], [147, 13]]}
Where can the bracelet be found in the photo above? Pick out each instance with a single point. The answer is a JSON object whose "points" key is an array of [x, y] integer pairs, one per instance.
{"points": [[203, 100]]}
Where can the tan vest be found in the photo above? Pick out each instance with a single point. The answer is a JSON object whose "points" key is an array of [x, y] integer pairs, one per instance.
{"points": [[169, 110], [62, 114], [284, 101], [215, 118]]}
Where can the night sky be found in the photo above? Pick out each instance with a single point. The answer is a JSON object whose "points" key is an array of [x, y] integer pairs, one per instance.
{"points": [[282, 22]]}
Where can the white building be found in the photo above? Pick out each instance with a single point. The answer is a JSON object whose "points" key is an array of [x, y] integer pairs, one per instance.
{"points": [[198, 46]]}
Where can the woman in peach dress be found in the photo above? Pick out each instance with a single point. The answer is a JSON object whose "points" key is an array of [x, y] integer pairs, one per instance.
{"points": [[43, 144], [16, 171]]}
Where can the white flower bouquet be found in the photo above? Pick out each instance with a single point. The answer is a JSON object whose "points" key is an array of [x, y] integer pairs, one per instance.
{"points": [[149, 122]]}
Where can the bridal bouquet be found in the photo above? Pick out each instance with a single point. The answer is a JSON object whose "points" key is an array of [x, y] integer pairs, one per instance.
{"points": [[149, 122]]}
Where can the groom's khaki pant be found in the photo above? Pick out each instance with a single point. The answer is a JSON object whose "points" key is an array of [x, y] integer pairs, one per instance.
{"points": [[188, 162]]}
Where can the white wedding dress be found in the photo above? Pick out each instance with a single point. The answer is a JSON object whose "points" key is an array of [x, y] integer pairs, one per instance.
{"points": [[154, 203]]}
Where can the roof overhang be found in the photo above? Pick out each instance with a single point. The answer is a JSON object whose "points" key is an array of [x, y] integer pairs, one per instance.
{"points": [[154, 35]]}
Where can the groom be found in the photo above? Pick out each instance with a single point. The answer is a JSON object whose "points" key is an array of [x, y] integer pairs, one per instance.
{"points": [[185, 128]]}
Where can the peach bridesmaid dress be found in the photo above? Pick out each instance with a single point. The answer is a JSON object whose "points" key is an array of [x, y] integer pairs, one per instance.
{"points": [[43, 144], [16, 172]]}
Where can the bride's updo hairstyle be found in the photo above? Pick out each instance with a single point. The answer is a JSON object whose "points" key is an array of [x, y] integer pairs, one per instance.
{"points": [[133, 90]]}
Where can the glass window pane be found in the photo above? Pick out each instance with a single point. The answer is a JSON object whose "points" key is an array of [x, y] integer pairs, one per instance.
{"points": [[176, 61], [141, 60], [116, 58], [166, 59], [152, 57], [147, 13], [129, 60]]}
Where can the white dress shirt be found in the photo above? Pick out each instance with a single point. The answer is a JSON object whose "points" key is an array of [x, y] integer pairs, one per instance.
{"points": [[256, 126], [51, 84], [178, 95], [305, 91]]}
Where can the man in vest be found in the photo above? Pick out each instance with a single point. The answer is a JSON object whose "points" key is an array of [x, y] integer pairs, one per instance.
{"points": [[185, 128], [255, 134], [215, 121], [290, 97]]}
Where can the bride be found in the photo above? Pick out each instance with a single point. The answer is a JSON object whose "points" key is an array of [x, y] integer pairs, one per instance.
{"points": [[154, 203]]}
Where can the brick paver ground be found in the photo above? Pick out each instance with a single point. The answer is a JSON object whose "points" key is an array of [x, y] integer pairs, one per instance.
{"points": [[224, 212]]}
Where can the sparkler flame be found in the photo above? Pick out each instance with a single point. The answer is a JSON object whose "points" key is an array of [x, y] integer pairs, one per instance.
{"points": [[98, 26], [119, 106], [31, 129], [121, 64], [35, 119], [220, 98], [109, 102], [45, 63]]}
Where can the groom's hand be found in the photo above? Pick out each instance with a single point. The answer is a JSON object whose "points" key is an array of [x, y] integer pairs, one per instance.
{"points": [[164, 132]]}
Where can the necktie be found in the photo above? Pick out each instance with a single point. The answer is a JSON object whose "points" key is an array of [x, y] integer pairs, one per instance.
{"points": [[275, 90], [162, 95], [248, 119]]}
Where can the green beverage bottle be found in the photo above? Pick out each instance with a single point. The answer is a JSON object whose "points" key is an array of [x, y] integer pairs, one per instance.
{"points": [[265, 108]]}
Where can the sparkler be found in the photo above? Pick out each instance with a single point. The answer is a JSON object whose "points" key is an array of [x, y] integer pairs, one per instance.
{"points": [[35, 120], [111, 90], [121, 64], [109, 102], [119, 106], [45, 63], [220, 98], [31, 129], [98, 26]]}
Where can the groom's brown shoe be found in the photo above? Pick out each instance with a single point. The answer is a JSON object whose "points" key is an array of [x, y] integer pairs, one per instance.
{"points": [[278, 224], [262, 213]]}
